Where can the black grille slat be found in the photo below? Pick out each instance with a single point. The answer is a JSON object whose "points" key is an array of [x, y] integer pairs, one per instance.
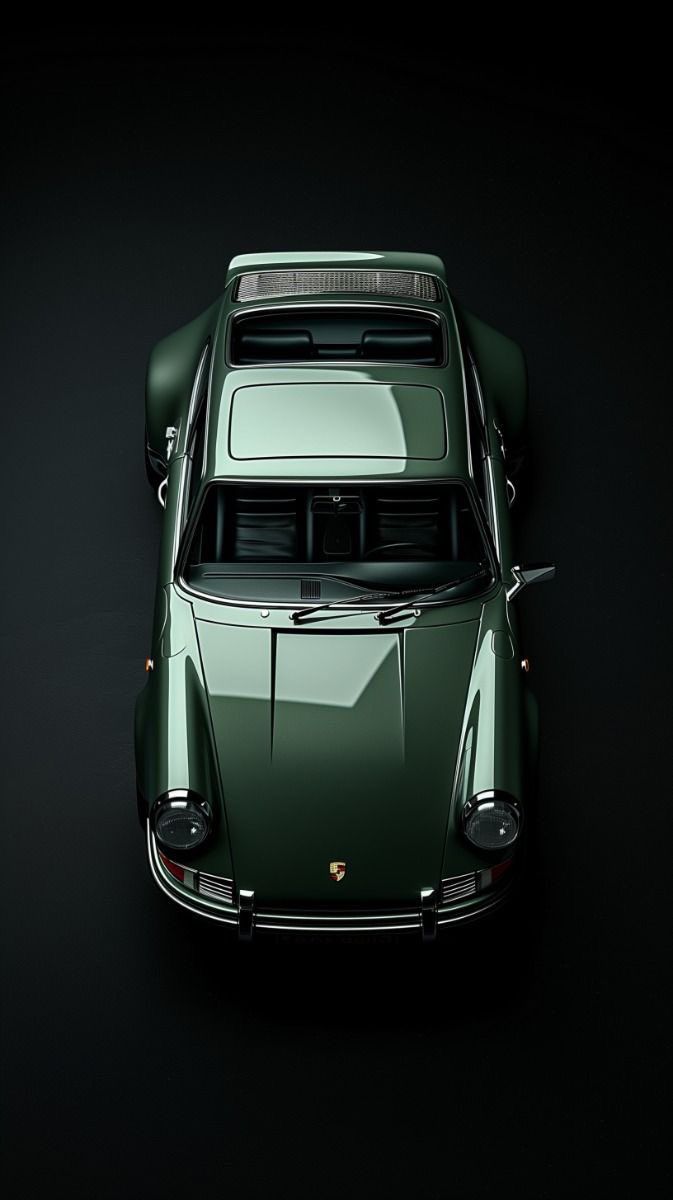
{"points": [[260, 285], [310, 589]]}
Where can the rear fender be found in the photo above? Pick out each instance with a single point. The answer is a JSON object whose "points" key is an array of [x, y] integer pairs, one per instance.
{"points": [[170, 377], [503, 376]]}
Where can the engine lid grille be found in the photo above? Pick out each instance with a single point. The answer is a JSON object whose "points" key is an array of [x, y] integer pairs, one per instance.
{"points": [[261, 285]]}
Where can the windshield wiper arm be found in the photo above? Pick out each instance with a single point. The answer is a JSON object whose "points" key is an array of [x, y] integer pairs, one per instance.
{"points": [[389, 614], [416, 595], [362, 598]]}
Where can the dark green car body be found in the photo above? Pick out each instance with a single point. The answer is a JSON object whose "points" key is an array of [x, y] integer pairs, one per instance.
{"points": [[335, 751]]}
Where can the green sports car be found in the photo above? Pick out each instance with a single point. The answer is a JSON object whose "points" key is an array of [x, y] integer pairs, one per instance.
{"points": [[336, 735]]}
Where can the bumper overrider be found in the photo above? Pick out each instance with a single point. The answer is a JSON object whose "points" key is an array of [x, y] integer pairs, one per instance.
{"points": [[459, 900]]}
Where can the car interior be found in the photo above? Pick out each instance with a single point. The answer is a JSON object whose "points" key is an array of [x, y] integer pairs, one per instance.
{"points": [[311, 540], [303, 334]]}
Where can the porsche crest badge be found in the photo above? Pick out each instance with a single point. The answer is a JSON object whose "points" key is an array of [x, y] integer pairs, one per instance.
{"points": [[337, 871]]}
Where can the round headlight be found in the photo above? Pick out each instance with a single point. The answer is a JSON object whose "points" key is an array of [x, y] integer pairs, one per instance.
{"points": [[491, 822], [182, 822]]}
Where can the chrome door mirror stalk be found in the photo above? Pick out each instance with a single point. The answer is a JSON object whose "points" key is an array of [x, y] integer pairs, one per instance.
{"points": [[171, 434], [532, 573], [501, 439], [161, 492]]}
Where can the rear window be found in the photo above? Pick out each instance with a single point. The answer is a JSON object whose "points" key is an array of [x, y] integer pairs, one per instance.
{"points": [[337, 335]]}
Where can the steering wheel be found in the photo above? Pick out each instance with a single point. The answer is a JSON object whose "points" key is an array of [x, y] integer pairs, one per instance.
{"points": [[391, 546]]}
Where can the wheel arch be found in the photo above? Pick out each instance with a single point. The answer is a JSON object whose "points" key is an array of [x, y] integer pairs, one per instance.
{"points": [[170, 375], [503, 375]]}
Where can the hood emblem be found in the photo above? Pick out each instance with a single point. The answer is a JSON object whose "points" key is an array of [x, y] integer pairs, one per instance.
{"points": [[337, 871]]}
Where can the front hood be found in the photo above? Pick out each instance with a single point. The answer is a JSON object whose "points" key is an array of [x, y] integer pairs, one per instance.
{"points": [[337, 747]]}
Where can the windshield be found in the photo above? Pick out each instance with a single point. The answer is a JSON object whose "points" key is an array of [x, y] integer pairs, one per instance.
{"points": [[288, 544]]}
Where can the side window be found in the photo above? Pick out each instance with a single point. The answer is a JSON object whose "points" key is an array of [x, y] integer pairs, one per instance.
{"points": [[477, 433], [198, 445], [196, 441]]}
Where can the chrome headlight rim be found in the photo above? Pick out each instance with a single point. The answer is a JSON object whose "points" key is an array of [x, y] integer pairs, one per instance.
{"points": [[487, 800], [182, 800]]}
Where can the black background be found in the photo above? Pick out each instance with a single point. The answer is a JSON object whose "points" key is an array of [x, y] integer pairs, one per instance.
{"points": [[144, 1055]]}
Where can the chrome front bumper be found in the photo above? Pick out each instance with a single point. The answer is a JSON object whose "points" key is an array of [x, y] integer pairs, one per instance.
{"points": [[425, 918]]}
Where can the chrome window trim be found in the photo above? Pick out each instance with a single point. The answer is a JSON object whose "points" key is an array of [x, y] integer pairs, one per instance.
{"points": [[466, 403], [493, 521], [192, 414], [480, 394], [195, 393], [492, 514], [178, 527], [344, 364]]}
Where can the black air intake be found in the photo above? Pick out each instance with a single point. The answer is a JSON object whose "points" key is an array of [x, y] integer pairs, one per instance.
{"points": [[310, 589]]}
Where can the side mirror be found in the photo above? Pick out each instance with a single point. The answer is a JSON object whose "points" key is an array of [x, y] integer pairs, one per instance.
{"points": [[533, 573]]}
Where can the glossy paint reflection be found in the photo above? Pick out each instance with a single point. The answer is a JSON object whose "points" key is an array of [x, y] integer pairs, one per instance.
{"points": [[349, 419], [349, 742]]}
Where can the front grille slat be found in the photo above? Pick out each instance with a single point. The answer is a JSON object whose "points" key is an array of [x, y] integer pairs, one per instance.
{"points": [[215, 886], [458, 887], [262, 285]]}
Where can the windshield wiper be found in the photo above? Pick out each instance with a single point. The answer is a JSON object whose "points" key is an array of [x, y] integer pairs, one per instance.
{"points": [[362, 598], [390, 614], [414, 595]]}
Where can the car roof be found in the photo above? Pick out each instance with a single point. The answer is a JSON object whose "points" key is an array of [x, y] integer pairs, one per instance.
{"points": [[370, 421]]}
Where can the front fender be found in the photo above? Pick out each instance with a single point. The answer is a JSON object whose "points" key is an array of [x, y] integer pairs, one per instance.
{"points": [[173, 734], [493, 743]]}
